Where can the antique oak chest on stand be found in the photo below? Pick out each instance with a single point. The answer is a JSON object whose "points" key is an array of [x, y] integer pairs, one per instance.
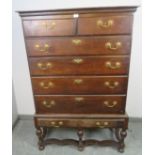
{"points": [[79, 66]]}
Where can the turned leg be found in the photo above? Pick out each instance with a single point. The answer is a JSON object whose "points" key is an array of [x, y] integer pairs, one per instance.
{"points": [[80, 135], [120, 136], [44, 132], [40, 132]]}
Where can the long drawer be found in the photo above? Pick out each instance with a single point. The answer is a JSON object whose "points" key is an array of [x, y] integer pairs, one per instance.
{"points": [[86, 123], [78, 104], [79, 85], [96, 65], [107, 45]]}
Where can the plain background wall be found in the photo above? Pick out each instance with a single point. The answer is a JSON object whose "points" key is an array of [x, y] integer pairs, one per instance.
{"points": [[14, 107], [21, 79]]}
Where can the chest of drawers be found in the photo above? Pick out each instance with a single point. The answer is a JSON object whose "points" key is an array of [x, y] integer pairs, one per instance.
{"points": [[79, 64]]}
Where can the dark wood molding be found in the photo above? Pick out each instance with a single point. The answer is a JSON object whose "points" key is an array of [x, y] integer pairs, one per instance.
{"points": [[77, 10]]}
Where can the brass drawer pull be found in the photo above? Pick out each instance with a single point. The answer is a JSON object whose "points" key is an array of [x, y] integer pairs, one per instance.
{"points": [[44, 66], [110, 105], [79, 99], [111, 85], [102, 125], [56, 124], [109, 45], [78, 81], [49, 24], [116, 66], [105, 24], [49, 85], [49, 104], [60, 123], [43, 48], [77, 60], [76, 41]]}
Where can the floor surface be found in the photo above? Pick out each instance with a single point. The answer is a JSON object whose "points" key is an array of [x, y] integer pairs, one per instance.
{"points": [[25, 141]]}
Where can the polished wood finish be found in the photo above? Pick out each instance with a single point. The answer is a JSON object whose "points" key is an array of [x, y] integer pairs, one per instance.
{"points": [[79, 65], [97, 65], [80, 85], [49, 27], [76, 123], [85, 104], [85, 46], [90, 26]]}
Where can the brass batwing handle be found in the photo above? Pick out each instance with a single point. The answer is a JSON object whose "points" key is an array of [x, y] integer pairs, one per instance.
{"points": [[44, 66], [110, 105], [110, 46], [105, 24], [49, 24], [76, 41], [77, 60], [111, 85], [109, 64], [79, 99], [46, 86], [49, 104], [56, 124], [43, 48], [78, 81], [102, 124]]}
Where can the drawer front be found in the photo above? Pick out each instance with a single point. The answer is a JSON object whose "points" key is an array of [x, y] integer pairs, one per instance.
{"points": [[80, 104], [105, 25], [79, 85], [96, 123], [57, 27], [107, 45], [79, 65]]}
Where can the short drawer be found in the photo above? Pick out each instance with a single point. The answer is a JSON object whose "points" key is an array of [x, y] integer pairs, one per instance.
{"points": [[107, 45], [80, 104], [86, 123], [105, 25], [92, 65], [79, 85], [55, 27]]}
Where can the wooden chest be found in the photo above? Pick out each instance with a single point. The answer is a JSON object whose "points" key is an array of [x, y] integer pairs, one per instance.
{"points": [[79, 64]]}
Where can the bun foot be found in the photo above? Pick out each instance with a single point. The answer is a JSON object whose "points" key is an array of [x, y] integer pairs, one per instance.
{"points": [[41, 147], [121, 150], [80, 148]]}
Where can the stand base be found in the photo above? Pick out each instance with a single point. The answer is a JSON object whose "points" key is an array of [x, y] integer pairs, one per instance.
{"points": [[117, 126]]}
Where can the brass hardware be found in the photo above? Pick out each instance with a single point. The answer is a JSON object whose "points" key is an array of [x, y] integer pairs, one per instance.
{"points": [[98, 123], [108, 84], [60, 123], [78, 60], [78, 81], [53, 124], [110, 105], [106, 123], [109, 45], [44, 66], [49, 24], [102, 125], [49, 85], [76, 41], [116, 66], [43, 48], [105, 24], [79, 99], [49, 104]]}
